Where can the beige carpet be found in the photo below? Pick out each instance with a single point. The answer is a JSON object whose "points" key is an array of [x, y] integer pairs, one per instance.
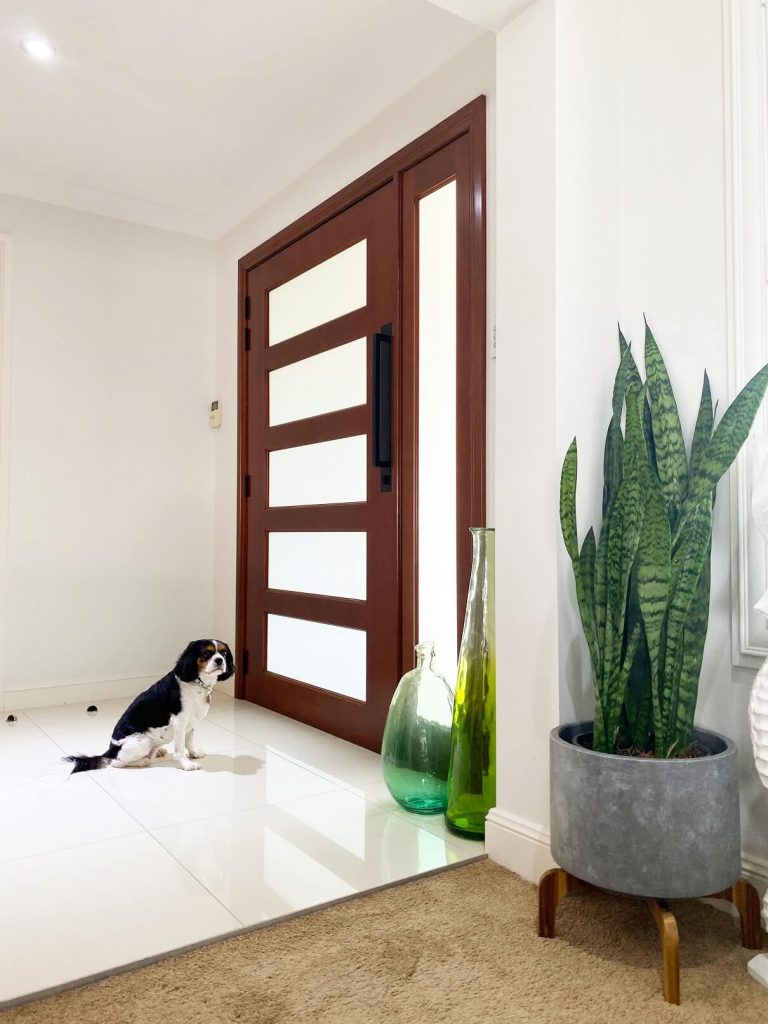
{"points": [[458, 946]]}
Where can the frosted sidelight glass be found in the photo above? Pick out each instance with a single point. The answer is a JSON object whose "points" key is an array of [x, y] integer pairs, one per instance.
{"points": [[332, 288], [332, 380], [437, 426], [319, 474], [330, 657], [318, 563]]}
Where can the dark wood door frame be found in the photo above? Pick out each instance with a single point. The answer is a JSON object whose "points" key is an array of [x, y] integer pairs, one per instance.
{"points": [[466, 126]]}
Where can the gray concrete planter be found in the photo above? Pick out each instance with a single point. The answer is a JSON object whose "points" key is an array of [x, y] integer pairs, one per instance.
{"points": [[662, 829]]}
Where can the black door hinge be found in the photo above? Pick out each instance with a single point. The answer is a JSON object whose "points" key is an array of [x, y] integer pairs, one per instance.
{"points": [[244, 663], [247, 307], [247, 485], [247, 336]]}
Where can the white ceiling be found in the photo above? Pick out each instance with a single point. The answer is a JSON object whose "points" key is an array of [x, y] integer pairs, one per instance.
{"points": [[490, 14], [188, 114]]}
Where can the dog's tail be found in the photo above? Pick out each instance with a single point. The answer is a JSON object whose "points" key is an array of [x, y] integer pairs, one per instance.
{"points": [[83, 763]]}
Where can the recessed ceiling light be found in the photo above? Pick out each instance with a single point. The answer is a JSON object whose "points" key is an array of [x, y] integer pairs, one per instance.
{"points": [[38, 48]]}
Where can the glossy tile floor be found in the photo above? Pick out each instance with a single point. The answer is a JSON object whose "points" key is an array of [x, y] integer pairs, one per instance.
{"points": [[111, 867]]}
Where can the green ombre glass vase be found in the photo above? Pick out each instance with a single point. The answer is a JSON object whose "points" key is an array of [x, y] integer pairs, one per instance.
{"points": [[417, 737], [472, 770]]}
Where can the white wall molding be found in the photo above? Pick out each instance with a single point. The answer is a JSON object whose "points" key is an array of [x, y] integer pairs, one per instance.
{"points": [[518, 845], [56, 694], [746, 144], [755, 870]]}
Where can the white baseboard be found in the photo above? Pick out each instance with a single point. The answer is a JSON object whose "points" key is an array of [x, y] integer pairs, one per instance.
{"points": [[523, 847], [755, 870], [519, 845], [76, 693]]}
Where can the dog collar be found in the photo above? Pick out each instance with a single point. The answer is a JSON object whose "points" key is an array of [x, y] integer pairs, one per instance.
{"points": [[208, 687]]}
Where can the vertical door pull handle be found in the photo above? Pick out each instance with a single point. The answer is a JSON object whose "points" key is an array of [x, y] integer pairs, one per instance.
{"points": [[382, 404]]}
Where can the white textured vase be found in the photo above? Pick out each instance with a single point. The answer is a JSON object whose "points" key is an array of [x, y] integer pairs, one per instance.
{"points": [[758, 728], [758, 721], [758, 699]]}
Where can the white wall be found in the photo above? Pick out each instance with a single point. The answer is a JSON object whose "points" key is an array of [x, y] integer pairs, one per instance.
{"points": [[526, 488], [111, 477], [667, 134], [639, 123], [464, 78]]}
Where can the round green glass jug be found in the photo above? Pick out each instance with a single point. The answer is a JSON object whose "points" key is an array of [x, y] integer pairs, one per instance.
{"points": [[417, 737]]}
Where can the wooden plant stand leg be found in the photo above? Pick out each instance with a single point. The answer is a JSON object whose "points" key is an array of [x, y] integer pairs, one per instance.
{"points": [[554, 885], [670, 949], [744, 897]]}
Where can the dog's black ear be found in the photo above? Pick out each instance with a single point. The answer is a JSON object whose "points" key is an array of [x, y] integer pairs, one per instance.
{"points": [[186, 667], [230, 663]]}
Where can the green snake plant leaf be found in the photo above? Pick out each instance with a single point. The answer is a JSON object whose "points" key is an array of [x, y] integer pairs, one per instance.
{"points": [[650, 444], [583, 571], [624, 523], [568, 476], [654, 572], [728, 437], [631, 374], [585, 584], [613, 463], [637, 699], [688, 565], [702, 433], [693, 654], [666, 743], [628, 661], [667, 433], [601, 591], [627, 376]]}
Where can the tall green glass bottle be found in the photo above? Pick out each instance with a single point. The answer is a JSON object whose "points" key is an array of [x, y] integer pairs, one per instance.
{"points": [[472, 770]]}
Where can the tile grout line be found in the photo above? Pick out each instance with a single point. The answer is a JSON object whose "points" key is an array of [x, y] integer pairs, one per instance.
{"points": [[318, 773], [143, 829], [165, 850]]}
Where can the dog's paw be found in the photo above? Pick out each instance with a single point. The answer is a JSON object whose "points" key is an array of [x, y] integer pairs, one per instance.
{"points": [[161, 752], [197, 754], [188, 766]]}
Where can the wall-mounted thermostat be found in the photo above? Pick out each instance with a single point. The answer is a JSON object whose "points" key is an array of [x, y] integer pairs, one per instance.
{"points": [[214, 414]]}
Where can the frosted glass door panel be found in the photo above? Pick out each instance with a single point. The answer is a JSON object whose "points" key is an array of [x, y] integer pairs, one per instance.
{"points": [[437, 425], [332, 288], [318, 563], [332, 380], [330, 657], [325, 473]]}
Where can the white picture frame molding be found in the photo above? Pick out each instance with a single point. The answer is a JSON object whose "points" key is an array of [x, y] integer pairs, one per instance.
{"points": [[746, 150]]}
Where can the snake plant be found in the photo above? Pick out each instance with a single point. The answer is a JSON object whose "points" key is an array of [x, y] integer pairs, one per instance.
{"points": [[643, 585]]}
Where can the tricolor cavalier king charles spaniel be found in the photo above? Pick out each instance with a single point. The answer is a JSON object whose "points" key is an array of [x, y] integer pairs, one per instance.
{"points": [[167, 712]]}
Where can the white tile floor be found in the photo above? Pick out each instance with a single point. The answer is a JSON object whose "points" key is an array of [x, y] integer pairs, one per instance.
{"points": [[112, 867]]}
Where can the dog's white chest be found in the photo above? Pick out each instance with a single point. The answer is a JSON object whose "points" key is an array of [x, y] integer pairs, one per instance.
{"points": [[195, 702]]}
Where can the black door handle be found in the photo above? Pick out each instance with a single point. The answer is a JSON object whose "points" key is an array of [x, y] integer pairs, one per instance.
{"points": [[382, 404]]}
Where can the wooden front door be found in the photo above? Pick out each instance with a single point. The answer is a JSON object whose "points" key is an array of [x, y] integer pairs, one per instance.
{"points": [[362, 434], [323, 380]]}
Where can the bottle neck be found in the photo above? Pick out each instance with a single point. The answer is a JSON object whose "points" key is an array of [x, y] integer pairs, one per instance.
{"points": [[424, 655]]}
